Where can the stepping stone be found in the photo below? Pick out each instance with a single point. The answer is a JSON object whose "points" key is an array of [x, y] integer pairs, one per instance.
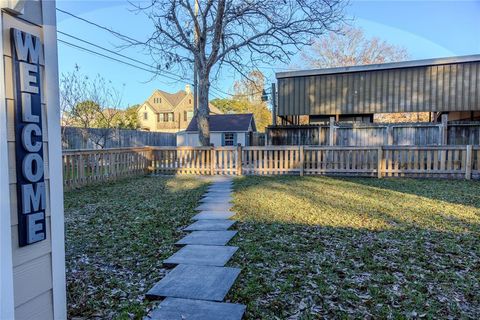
{"points": [[201, 255], [195, 282], [208, 215], [222, 183], [214, 206], [220, 195], [217, 199], [209, 238], [210, 225], [187, 309], [220, 186], [217, 194], [226, 191]]}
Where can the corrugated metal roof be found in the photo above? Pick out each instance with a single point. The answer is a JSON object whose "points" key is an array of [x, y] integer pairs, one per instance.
{"points": [[380, 66]]}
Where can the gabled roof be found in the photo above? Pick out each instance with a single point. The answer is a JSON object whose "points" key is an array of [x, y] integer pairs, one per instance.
{"points": [[226, 123], [173, 98]]}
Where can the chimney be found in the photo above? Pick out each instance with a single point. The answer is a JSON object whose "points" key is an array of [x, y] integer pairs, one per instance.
{"points": [[187, 89]]}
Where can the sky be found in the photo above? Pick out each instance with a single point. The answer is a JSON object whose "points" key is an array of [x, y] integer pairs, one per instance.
{"points": [[427, 29]]}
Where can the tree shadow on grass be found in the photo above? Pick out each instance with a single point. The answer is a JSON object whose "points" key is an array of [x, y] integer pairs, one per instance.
{"points": [[310, 272], [117, 235], [336, 248], [359, 202], [453, 191]]}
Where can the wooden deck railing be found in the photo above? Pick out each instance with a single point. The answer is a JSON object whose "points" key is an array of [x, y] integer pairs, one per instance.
{"points": [[82, 167]]}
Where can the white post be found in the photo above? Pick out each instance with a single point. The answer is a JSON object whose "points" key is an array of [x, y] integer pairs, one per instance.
{"points": [[52, 100], [6, 267]]}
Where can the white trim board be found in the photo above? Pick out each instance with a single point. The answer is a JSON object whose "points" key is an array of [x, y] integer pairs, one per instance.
{"points": [[7, 310], [55, 159]]}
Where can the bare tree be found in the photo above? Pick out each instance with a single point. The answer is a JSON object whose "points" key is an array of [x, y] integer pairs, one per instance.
{"points": [[89, 103], [250, 88], [351, 47], [237, 34]]}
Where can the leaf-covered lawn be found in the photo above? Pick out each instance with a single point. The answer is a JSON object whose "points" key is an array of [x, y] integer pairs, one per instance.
{"points": [[116, 238], [317, 247]]}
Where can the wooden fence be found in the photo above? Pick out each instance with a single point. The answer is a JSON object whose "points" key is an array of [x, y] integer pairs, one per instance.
{"points": [[420, 134], [83, 167], [100, 138]]}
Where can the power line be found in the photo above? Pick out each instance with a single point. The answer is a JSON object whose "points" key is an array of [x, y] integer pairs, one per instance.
{"points": [[178, 78], [107, 57], [123, 36], [112, 58], [118, 34]]}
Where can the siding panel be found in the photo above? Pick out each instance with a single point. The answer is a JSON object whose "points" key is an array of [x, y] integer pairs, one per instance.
{"points": [[449, 87], [38, 308], [32, 279]]}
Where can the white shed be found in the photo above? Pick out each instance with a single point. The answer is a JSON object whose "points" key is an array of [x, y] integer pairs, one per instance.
{"points": [[225, 130]]}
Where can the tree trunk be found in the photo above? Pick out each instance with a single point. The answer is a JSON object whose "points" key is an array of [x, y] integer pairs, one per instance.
{"points": [[203, 111]]}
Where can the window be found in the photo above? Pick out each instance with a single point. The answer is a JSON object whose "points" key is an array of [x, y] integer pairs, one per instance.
{"points": [[145, 116], [184, 115], [229, 139], [158, 117], [171, 118], [165, 117], [190, 101]]}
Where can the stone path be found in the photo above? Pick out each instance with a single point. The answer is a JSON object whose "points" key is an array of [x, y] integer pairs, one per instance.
{"points": [[199, 281]]}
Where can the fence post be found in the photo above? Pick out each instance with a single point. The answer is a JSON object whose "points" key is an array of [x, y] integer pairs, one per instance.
{"points": [[389, 135], [302, 160], [81, 169], [468, 163], [239, 160], [212, 161], [331, 133], [379, 162], [149, 160], [444, 130]]}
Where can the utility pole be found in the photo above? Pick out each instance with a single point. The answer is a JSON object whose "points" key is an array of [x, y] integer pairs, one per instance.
{"points": [[274, 105], [195, 72]]}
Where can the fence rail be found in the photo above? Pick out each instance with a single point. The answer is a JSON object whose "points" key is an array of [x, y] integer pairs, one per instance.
{"points": [[83, 167], [376, 134], [100, 138]]}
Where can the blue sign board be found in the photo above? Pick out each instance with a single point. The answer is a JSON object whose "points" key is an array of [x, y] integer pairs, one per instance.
{"points": [[27, 52]]}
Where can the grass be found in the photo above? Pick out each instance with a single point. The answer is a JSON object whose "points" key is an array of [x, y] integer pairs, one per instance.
{"points": [[317, 247], [117, 235]]}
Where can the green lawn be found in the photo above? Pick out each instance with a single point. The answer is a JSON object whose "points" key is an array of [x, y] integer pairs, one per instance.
{"points": [[317, 247], [117, 235]]}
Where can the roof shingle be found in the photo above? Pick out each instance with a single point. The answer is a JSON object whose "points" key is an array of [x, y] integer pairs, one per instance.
{"points": [[226, 122]]}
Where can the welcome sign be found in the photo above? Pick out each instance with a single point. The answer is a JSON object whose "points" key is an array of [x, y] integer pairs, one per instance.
{"points": [[27, 52]]}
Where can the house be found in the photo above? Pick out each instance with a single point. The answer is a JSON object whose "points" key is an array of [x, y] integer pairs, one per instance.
{"points": [[225, 130], [355, 94], [168, 112]]}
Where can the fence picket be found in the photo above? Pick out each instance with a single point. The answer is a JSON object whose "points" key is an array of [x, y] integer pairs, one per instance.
{"points": [[82, 167]]}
